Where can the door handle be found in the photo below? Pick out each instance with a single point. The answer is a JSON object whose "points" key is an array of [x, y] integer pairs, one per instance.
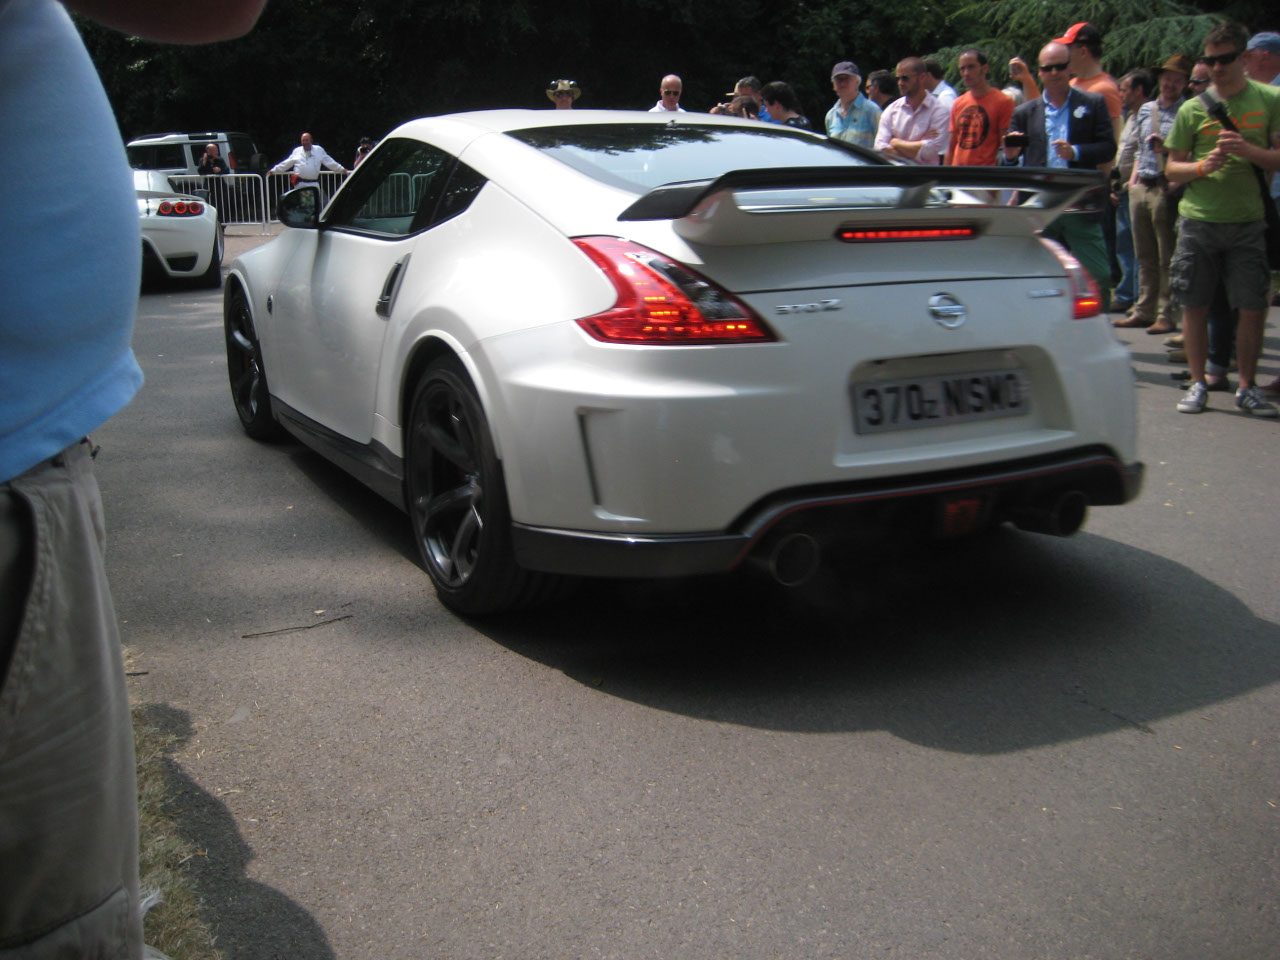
{"points": [[390, 288]]}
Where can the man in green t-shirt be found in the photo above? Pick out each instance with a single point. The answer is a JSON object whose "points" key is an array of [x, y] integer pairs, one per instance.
{"points": [[1222, 231]]}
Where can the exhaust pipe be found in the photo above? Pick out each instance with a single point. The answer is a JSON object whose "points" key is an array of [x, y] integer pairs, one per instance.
{"points": [[793, 559], [1059, 517]]}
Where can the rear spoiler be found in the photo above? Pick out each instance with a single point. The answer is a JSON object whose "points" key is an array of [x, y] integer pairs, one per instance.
{"points": [[1049, 188], [166, 195]]}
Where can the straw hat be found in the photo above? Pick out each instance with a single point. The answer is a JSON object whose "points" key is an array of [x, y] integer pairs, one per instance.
{"points": [[561, 86]]}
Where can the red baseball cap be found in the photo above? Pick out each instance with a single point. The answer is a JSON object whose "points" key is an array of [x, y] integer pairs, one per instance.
{"points": [[1079, 32]]}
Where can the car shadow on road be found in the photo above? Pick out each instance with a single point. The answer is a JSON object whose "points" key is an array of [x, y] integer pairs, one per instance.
{"points": [[381, 518], [1005, 642], [1010, 642], [250, 920]]}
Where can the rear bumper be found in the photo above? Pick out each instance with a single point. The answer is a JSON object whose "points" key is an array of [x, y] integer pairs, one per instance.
{"points": [[852, 512]]}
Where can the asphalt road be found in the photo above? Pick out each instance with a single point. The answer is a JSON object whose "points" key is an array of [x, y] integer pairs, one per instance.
{"points": [[1022, 748]]}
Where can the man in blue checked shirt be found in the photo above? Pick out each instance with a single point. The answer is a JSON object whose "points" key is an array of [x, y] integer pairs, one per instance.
{"points": [[853, 118]]}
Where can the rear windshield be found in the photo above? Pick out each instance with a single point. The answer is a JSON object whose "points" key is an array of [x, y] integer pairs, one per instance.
{"points": [[642, 156], [158, 156]]}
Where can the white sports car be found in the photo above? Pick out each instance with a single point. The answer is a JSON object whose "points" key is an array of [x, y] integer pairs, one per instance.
{"points": [[628, 345], [180, 234]]}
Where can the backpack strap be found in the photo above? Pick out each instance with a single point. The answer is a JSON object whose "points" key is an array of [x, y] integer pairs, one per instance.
{"points": [[1218, 110]]}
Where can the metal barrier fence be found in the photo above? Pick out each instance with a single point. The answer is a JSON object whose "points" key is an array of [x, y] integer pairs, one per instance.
{"points": [[238, 197], [247, 199]]}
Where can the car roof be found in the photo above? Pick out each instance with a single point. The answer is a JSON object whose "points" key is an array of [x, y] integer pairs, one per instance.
{"points": [[186, 137], [572, 202]]}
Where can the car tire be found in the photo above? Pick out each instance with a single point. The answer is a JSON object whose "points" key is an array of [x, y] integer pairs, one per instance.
{"points": [[212, 278], [246, 371], [457, 500]]}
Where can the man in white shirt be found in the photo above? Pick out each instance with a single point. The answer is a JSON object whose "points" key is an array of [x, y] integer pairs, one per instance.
{"points": [[671, 89], [935, 83], [916, 127], [306, 161]]}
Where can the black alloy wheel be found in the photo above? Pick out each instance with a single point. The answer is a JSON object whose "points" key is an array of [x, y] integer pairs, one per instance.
{"points": [[457, 499], [245, 370]]}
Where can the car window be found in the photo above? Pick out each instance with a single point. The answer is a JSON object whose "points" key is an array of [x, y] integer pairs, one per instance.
{"points": [[464, 183], [239, 153], [391, 192], [639, 157], [157, 156]]}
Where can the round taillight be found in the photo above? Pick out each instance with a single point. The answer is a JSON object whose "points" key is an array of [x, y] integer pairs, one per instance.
{"points": [[180, 208], [166, 208], [194, 208]]}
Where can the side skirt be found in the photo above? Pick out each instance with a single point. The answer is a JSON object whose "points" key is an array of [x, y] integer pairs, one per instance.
{"points": [[372, 464]]}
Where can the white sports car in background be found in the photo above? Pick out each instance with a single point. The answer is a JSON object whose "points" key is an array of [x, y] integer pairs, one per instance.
{"points": [[180, 234], [620, 344]]}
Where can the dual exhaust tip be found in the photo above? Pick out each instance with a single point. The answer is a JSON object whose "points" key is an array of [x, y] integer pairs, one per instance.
{"points": [[793, 559]]}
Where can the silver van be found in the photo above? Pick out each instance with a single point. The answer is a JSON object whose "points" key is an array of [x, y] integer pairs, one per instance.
{"points": [[179, 153]]}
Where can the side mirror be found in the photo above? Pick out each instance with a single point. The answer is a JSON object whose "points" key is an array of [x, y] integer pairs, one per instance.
{"points": [[300, 207]]}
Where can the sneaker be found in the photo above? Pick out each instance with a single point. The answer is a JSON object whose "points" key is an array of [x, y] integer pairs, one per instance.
{"points": [[1195, 399], [1249, 399]]}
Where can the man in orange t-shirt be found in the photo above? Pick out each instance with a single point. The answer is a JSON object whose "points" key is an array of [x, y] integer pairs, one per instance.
{"points": [[979, 117], [1084, 40]]}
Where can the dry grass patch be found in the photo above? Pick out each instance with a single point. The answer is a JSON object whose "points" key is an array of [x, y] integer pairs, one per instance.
{"points": [[173, 926]]}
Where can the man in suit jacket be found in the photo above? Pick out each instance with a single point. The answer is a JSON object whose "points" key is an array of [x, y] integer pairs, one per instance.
{"points": [[1068, 127]]}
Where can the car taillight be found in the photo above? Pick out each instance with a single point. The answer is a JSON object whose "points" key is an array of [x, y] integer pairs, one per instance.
{"points": [[180, 208], [1085, 298], [664, 303]]}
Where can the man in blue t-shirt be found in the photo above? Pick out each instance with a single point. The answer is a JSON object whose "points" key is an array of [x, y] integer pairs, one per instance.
{"points": [[69, 271]]}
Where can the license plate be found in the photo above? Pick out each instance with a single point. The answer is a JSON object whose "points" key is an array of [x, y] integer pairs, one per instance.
{"points": [[939, 401]]}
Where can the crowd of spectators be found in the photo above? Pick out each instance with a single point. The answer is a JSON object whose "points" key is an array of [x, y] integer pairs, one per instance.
{"points": [[1175, 230]]}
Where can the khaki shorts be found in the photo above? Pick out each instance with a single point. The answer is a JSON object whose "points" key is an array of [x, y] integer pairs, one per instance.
{"points": [[68, 801], [1235, 253]]}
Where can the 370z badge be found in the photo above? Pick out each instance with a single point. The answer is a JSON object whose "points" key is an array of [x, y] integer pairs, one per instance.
{"points": [[785, 308]]}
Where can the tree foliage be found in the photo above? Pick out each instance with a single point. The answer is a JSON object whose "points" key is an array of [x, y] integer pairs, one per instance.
{"points": [[342, 71], [1136, 33]]}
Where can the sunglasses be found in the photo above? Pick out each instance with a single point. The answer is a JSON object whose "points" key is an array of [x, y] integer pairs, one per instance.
{"points": [[1222, 58], [906, 77], [1053, 67], [671, 93], [1198, 83]]}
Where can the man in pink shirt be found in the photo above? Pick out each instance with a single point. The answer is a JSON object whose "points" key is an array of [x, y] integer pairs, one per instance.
{"points": [[916, 127]]}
